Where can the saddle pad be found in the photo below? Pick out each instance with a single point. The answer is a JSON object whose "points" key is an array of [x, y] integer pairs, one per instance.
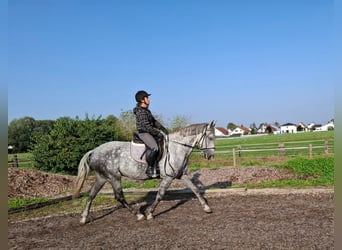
{"points": [[138, 150]]}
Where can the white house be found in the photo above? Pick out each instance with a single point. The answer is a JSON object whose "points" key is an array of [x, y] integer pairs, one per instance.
{"points": [[240, 130], [288, 128], [329, 126], [267, 128], [311, 126], [301, 127], [219, 131]]}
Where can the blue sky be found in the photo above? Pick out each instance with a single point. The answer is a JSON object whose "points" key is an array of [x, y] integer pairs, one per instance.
{"points": [[224, 60]]}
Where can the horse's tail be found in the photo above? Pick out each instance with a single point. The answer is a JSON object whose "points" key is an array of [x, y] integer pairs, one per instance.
{"points": [[83, 171]]}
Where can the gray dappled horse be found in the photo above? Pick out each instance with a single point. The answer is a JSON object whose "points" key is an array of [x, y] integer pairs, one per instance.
{"points": [[112, 160]]}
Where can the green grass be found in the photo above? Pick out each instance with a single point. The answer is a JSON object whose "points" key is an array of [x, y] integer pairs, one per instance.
{"points": [[310, 172], [127, 183], [20, 202], [322, 169], [25, 160], [264, 150]]}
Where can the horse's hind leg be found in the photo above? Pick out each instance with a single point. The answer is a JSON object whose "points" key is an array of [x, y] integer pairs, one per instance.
{"points": [[194, 189], [92, 194], [119, 196]]}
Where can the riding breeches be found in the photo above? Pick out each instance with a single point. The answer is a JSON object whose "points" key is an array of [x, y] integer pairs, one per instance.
{"points": [[149, 140]]}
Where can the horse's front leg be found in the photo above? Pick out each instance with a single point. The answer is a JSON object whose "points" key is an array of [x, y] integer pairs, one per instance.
{"points": [[165, 183], [188, 182]]}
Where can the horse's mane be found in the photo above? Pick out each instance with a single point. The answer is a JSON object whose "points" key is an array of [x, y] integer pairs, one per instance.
{"points": [[192, 129]]}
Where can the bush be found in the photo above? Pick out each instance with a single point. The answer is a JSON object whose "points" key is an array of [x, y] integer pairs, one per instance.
{"points": [[61, 149]]}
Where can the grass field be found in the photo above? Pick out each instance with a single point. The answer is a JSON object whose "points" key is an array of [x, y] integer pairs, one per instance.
{"points": [[265, 150]]}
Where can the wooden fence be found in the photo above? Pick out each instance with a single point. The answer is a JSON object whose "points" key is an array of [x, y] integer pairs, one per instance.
{"points": [[310, 150], [16, 162]]}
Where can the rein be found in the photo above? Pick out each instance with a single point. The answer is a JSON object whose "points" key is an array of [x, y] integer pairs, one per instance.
{"points": [[190, 146]]}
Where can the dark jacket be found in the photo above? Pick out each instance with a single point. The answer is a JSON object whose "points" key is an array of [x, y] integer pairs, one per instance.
{"points": [[146, 123]]}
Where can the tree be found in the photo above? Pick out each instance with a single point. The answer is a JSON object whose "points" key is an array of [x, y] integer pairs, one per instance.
{"points": [[178, 121], [20, 133], [269, 129], [127, 125], [253, 128], [231, 126]]}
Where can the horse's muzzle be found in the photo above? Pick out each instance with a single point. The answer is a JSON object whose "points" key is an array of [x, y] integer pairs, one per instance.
{"points": [[207, 156], [210, 157]]}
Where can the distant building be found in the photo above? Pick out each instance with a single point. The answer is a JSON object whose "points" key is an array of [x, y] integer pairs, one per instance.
{"points": [[240, 130], [265, 128], [288, 128], [301, 127], [329, 126], [219, 131]]}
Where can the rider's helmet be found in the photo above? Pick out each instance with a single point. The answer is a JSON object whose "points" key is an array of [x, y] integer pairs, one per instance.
{"points": [[141, 94]]}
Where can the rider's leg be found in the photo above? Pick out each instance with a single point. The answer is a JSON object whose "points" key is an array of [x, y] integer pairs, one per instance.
{"points": [[151, 153], [151, 157]]}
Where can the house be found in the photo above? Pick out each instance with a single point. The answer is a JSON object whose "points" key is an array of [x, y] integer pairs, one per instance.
{"points": [[265, 128], [240, 130], [219, 131], [271, 130], [311, 126], [288, 128], [262, 128], [301, 127], [329, 126]]}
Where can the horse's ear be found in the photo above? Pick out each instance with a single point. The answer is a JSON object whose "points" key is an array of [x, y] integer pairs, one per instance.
{"points": [[212, 124]]}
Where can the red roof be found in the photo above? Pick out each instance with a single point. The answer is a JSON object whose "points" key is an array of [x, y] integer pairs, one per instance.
{"points": [[244, 128], [222, 130]]}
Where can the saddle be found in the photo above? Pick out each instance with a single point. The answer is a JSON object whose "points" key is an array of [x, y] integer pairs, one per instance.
{"points": [[139, 149]]}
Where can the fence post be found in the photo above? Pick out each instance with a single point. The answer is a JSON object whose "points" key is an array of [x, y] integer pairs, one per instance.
{"points": [[310, 151], [239, 150], [15, 161], [281, 149], [326, 148], [234, 158]]}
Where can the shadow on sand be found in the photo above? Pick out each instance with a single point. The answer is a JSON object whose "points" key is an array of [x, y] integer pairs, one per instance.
{"points": [[182, 195]]}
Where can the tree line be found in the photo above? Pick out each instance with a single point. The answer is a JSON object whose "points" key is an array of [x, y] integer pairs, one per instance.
{"points": [[58, 145]]}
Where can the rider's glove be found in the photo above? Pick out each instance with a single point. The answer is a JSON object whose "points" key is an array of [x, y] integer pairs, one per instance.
{"points": [[164, 130]]}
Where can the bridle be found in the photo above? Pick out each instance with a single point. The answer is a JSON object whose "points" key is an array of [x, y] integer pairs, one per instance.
{"points": [[167, 158], [204, 134]]}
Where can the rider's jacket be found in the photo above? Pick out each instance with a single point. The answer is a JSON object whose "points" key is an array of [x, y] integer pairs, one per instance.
{"points": [[146, 123]]}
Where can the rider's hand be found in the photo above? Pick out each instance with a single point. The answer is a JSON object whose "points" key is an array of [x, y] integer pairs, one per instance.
{"points": [[165, 130]]}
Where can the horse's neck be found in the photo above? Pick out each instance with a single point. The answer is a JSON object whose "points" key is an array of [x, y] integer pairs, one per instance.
{"points": [[187, 140]]}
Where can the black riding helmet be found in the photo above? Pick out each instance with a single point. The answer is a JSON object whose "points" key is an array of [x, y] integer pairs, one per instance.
{"points": [[140, 95]]}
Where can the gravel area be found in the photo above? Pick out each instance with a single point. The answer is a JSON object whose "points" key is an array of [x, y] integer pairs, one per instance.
{"points": [[248, 219]]}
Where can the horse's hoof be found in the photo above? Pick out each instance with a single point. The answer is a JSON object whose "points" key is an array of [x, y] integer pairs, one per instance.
{"points": [[207, 209], [150, 217], [140, 216], [83, 220]]}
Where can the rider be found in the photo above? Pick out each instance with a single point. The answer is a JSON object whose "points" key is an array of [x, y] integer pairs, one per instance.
{"points": [[149, 130]]}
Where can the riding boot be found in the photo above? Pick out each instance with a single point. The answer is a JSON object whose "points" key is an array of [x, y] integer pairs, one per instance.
{"points": [[151, 157]]}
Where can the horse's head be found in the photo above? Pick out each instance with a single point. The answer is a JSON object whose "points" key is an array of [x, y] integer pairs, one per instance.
{"points": [[206, 142]]}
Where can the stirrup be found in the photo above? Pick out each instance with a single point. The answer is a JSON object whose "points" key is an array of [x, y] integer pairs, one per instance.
{"points": [[152, 172]]}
